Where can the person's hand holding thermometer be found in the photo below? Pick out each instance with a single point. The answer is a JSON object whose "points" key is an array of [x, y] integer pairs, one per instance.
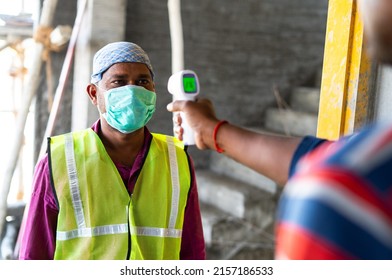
{"points": [[184, 85]]}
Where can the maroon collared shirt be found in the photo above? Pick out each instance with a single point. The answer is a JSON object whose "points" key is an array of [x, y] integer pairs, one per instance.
{"points": [[38, 240]]}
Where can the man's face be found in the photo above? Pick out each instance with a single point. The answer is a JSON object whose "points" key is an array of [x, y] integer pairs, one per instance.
{"points": [[122, 74], [377, 16]]}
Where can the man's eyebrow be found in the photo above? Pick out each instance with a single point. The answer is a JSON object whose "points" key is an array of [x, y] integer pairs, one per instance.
{"points": [[118, 76], [145, 76], [126, 76]]}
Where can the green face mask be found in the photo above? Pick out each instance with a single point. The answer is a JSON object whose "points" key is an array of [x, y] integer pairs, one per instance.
{"points": [[129, 108]]}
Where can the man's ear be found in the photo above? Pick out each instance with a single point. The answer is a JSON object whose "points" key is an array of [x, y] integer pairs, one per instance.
{"points": [[92, 93]]}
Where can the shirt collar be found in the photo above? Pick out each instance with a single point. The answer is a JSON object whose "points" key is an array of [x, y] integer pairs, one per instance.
{"points": [[96, 127]]}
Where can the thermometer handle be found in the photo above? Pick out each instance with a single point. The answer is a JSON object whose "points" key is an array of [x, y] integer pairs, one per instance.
{"points": [[188, 136]]}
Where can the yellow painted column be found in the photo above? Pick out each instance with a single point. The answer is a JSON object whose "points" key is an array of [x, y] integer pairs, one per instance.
{"points": [[347, 72]]}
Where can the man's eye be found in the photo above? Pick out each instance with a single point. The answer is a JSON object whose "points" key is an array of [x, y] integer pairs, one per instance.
{"points": [[118, 83], [143, 82]]}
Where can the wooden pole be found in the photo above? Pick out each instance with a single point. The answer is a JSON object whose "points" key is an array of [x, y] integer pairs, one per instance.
{"points": [[348, 73], [46, 19]]}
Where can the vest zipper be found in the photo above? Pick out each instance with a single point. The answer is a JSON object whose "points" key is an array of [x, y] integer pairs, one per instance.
{"points": [[129, 232]]}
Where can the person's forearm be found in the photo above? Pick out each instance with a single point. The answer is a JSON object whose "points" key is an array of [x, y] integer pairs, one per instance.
{"points": [[269, 155]]}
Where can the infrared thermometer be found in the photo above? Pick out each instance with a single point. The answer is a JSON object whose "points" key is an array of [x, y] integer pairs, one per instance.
{"points": [[184, 85]]}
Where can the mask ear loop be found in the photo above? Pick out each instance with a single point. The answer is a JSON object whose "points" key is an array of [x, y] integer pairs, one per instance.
{"points": [[100, 87], [104, 90]]}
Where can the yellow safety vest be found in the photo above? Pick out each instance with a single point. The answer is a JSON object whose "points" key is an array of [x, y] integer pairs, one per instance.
{"points": [[98, 219]]}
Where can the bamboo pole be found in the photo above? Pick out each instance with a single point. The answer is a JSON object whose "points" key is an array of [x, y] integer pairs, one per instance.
{"points": [[176, 35], [64, 75], [58, 97], [46, 19]]}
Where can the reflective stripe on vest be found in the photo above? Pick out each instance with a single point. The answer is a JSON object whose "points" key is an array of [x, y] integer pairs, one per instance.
{"points": [[89, 232], [159, 232], [73, 181], [175, 182], [84, 231]]}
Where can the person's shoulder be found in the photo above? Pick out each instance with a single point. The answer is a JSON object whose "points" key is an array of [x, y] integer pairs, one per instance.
{"points": [[76, 134], [361, 148], [363, 158], [42, 163], [348, 152]]}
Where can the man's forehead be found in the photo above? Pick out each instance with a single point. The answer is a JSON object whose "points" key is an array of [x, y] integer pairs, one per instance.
{"points": [[127, 69]]}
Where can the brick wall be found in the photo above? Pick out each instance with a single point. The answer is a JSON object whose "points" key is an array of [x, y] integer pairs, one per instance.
{"points": [[240, 49]]}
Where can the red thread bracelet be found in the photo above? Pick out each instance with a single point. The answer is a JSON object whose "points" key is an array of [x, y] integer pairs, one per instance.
{"points": [[218, 125]]}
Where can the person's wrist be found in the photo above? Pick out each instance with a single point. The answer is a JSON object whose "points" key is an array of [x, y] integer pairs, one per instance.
{"points": [[218, 148], [207, 132]]}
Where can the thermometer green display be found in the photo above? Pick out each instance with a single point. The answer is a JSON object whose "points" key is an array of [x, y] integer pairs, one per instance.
{"points": [[189, 83]]}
